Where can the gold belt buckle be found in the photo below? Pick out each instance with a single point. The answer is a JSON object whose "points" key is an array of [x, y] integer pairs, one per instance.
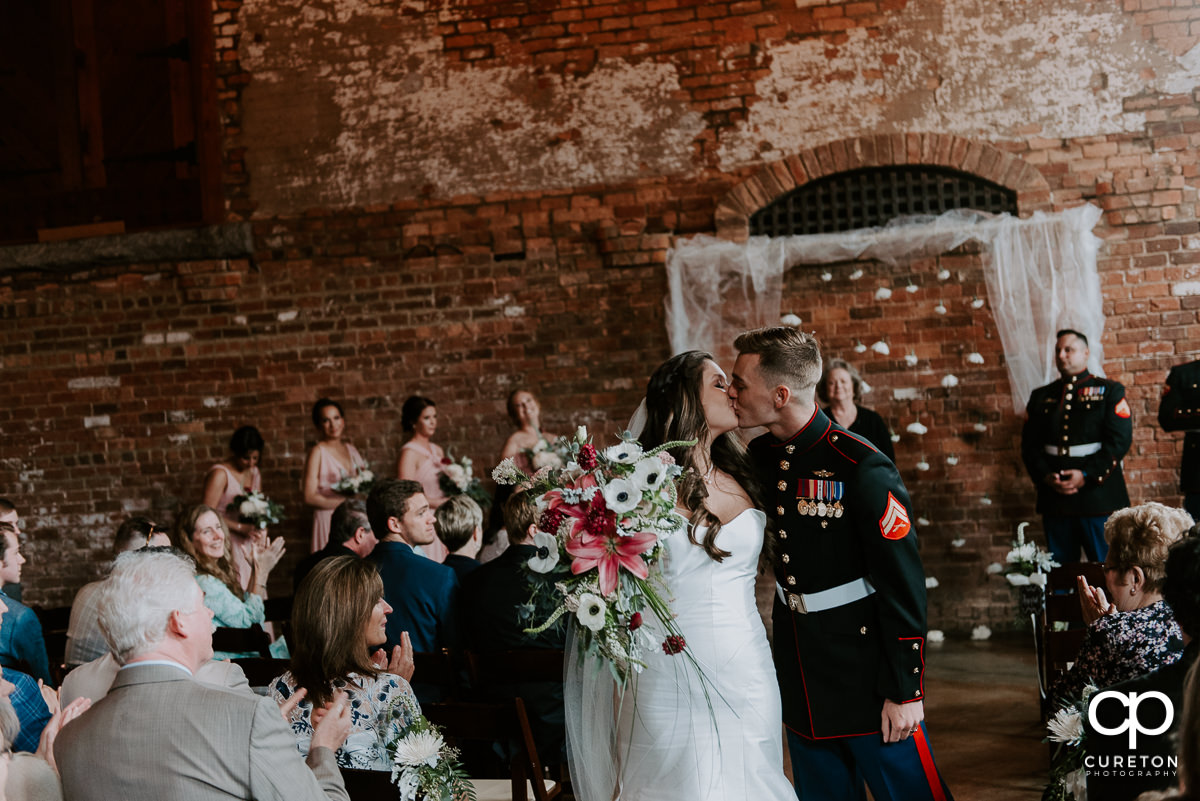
{"points": [[796, 603]]}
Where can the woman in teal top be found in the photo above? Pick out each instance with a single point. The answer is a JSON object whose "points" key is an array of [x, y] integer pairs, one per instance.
{"points": [[201, 534]]}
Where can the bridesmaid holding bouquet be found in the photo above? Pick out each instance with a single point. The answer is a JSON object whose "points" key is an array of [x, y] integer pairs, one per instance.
{"points": [[329, 461]]}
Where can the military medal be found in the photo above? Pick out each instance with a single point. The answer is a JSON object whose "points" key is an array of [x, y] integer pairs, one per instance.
{"points": [[819, 498]]}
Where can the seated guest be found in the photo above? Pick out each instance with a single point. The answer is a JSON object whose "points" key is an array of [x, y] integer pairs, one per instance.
{"points": [[200, 533], [8, 514], [1181, 591], [84, 640], [338, 618], [159, 734], [496, 612], [459, 525], [33, 776], [841, 389], [20, 630], [26, 698], [1135, 633], [349, 535], [422, 593], [93, 679]]}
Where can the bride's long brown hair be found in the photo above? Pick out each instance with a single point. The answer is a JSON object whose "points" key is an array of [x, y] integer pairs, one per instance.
{"points": [[674, 412]]}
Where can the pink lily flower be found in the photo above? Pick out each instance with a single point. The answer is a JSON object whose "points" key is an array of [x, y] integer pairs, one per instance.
{"points": [[608, 554]]}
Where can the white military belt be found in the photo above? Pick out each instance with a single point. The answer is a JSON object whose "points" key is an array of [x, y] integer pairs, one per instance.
{"points": [[1086, 449], [831, 598]]}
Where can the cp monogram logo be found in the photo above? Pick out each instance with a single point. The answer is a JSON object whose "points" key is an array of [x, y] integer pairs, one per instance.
{"points": [[1131, 701]]}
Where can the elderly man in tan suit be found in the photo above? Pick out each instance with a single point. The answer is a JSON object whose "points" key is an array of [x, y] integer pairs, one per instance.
{"points": [[159, 734]]}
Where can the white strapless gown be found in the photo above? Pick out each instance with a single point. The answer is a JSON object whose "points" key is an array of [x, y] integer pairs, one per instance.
{"points": [[675, 743]]}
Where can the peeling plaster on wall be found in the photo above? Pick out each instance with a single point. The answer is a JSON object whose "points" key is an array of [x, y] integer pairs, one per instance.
{"points": [[941, 67], [352, 105]]}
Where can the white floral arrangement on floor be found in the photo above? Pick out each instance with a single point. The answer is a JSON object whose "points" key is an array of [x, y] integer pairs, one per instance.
{"points": [[1068, 779], [599, 537], [1027, 563], [256, 509], [358, 484], [425, 768]]}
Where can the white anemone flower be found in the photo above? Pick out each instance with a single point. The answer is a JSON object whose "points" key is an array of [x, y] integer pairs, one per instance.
{"points": [[591, 611], [930, 582], [792, 320], [958, 543], [949, 381], [419, 748], [981, 633], [935, 635], [647, 474], [625, 453], [622, 495], [916, 428], [547, 553], [883, 293], [881, 348]]}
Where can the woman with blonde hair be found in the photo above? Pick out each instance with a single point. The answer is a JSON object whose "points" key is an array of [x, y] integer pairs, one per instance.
{"points": [[201, 534], [338, 617], [1131, 630]]}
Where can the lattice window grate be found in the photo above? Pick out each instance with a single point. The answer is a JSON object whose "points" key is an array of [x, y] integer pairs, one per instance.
{"points": [[872, 196]]}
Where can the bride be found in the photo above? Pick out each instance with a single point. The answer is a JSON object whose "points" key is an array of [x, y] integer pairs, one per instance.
{"points": [[681, 735]]}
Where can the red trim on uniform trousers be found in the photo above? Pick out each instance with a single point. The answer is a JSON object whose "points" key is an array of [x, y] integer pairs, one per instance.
{"points": [[931, 774]]}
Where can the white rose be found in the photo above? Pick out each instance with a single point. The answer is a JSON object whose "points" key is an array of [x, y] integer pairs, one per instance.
{"points": [[591, 611], [543, 459], [622, 495], [246, 508], [581, 434]]}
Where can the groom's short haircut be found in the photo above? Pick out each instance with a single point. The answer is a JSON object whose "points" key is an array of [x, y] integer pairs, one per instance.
{"points": [[786, 355]]}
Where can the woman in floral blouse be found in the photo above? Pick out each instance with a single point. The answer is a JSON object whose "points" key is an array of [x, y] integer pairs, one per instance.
{"points": [[1131, 632], [339, 615]]}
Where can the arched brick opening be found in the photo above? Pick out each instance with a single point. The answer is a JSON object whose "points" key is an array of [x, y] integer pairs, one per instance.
{"points": [[942, 150]]}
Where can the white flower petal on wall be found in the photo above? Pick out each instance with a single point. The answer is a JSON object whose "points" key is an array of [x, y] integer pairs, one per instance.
{"points": [[930, 582], [922, 465], [986, 501], [911, 359], [857, 274], [958, 543], [943, 275], [935, 635], [826, 276], [994, 568], [977, 303], [911, 288], [922, 521], [881, 348], [860, 348], [949, 381], [895, 437], [975, 358], [591, 611], [940, 309], [790, 319], [952, 460], [981, 427], [981, 633], [883, 293], [916, 428]]}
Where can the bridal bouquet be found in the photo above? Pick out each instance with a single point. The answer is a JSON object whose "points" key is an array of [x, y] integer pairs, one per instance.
{"points": [[1068, 779], [603, 515], [256, 509], [425, 768], [457, 478], [358, 484]]}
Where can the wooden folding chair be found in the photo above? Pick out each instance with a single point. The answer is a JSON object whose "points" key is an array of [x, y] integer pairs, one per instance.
{"points": [[369, 785], [515, 666], [54, 621], [242, 641], [261, 672], [1061, 627], [437, 675], [506, 722]]}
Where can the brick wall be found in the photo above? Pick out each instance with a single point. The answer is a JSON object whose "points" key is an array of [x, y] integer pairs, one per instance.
{"points": [[457, 198]]}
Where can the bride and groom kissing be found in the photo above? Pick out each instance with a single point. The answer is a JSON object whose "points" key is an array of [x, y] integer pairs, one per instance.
{"points": [[849, 615]]}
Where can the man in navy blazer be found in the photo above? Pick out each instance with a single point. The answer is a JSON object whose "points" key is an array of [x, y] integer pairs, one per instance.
{"points": [[422, 593]]}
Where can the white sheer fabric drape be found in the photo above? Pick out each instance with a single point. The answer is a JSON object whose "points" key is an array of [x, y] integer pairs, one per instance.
{"points": [[1040, 273]]}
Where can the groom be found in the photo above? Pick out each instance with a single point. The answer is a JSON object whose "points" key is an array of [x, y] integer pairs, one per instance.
{"points": [[849, 616]]}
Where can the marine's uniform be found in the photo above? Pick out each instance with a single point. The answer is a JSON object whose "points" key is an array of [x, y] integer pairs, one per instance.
{"points": [[1078, 423], [849, 614], [1179, 410]]}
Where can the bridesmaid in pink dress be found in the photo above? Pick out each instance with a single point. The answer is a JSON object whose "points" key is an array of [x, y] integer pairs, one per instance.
{"points": [[229, 479], [329, 460], [421, 460]]}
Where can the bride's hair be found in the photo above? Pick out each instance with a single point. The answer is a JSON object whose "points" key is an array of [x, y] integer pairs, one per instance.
{"points": [[674, 412]]}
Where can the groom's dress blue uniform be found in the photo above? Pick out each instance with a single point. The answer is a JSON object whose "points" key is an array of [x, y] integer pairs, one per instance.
{"points": [[841, 515]]}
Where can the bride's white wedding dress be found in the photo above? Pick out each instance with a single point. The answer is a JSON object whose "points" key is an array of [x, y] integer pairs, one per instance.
{"points": [[672, 741]]}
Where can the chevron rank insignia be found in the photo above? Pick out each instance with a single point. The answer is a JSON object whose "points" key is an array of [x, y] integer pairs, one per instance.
{"points": [[894, 523], [1122, 410]]}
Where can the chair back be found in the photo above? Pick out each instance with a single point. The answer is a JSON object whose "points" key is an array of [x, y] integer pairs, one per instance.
{"points": [[55, 621], [261, 672], [1061, 627], [241, 641], [437, 675], [515, 666], [466, 722], [369, 785]]}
